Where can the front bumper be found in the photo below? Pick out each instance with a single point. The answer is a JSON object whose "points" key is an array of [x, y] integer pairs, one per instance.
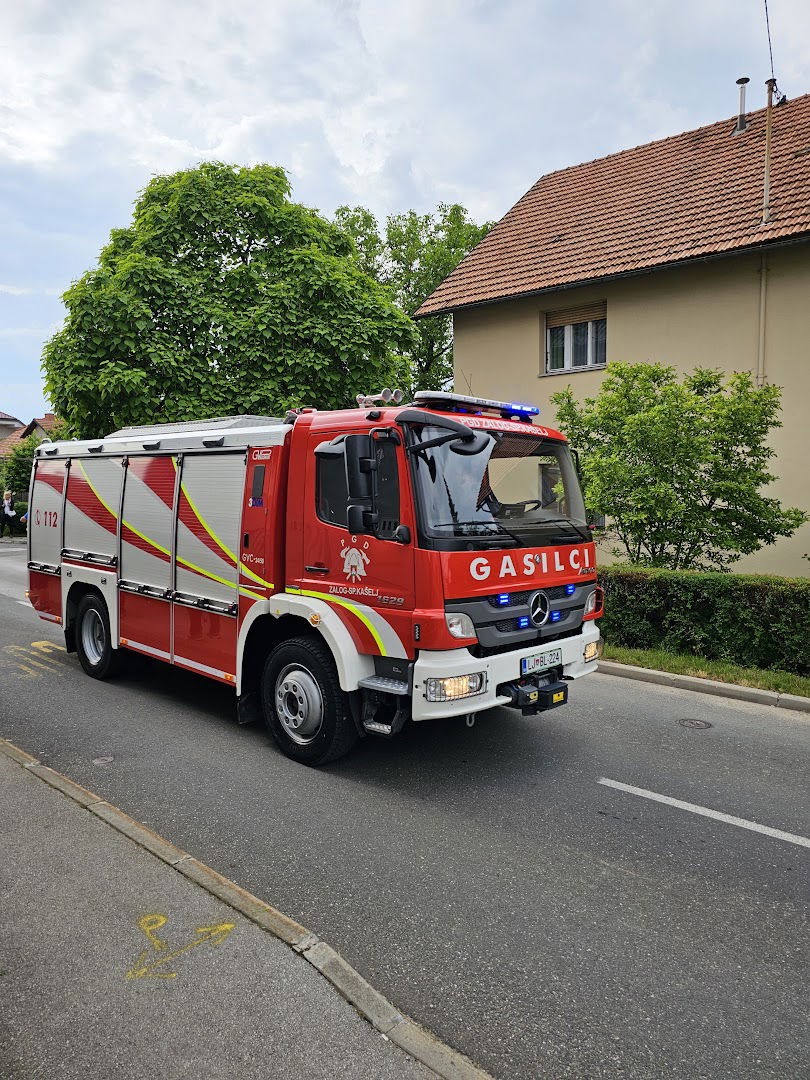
{"points": [[499, 668]]}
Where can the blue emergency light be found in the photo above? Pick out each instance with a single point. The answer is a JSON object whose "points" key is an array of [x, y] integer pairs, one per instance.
{"points": [[556, 616], [523, 622], [503, 598], [441, 399], [570, 590]]}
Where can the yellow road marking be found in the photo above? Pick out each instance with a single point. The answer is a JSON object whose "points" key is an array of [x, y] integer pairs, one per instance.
{"points": [[49, 646], [149, 924], [26, 660]]}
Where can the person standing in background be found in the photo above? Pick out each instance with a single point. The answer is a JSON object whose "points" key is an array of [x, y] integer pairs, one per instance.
{"points": [[8, 515]]}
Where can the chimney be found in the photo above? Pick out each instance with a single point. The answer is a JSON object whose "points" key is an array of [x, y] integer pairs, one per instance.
{"points": [[742, 123]]}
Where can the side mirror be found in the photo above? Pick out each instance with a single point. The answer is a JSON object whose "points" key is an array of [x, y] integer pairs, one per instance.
{"points": [[479, 442], [359, 465]]}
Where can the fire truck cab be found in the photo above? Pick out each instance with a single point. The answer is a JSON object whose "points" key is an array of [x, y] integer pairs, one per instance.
{"points": [[346, 571]]}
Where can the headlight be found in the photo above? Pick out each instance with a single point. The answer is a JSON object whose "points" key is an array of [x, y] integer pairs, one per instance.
{"points": [[593, 650], [590, 603], [459, 625], [458, 686]]}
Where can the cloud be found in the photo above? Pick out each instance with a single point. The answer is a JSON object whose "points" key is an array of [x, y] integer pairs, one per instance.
{"points": [[25, 331], [23, 290], [389, 105]]}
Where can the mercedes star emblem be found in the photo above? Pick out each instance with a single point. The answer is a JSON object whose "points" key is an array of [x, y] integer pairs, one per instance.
{"points": [[539, 608]]}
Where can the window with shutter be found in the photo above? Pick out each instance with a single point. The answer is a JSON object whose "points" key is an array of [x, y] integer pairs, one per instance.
{"points": [[576, 338]]}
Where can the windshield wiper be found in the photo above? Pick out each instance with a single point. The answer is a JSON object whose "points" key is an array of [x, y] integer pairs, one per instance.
{"points": [[581, 533], [488, 525]]}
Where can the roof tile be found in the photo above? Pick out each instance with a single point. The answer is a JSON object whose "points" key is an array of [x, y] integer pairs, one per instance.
{"points": [[687, 196]]}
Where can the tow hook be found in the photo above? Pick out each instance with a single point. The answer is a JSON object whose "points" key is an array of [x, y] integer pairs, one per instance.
{"points": [[469, 719], [535, 695]]}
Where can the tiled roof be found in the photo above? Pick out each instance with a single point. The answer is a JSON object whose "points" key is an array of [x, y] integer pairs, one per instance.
{"points": [[691, 195], [8, 416], [10, 442], [47, 422]]}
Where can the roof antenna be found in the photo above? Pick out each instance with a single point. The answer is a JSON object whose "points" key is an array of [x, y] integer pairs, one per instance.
{"points": [[742, 123]]}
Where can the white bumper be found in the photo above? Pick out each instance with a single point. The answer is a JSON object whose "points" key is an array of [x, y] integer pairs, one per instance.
{"points": [[500, 668]]}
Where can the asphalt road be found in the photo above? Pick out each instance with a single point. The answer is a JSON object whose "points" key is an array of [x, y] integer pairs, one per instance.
{"points": [[483, 879]]}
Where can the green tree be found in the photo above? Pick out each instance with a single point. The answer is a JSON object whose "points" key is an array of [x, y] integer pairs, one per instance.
{"points": [[223, 296], [412, 256], [678, 467], [16, 469]]}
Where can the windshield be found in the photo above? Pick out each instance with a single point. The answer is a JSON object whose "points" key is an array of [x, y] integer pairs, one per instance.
{"points": [[522, 488]]}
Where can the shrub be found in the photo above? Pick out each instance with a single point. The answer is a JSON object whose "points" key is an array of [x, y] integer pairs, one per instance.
{"points": [[751, 620]]}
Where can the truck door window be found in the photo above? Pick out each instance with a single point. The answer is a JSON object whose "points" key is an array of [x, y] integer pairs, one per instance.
{"points": [[387, 489], [257, 485], [331, 495]]}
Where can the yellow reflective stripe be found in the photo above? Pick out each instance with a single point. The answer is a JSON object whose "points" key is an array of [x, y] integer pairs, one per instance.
{"points": [[252, 574], [159, 547], [195, 510], [108, 508], [351, 607]]}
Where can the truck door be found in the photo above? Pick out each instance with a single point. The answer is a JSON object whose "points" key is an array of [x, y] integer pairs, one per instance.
{"points": [[260, 551], [369, 579]]}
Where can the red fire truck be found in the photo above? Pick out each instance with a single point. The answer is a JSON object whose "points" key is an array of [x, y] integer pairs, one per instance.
{"points": [[345, 571]]}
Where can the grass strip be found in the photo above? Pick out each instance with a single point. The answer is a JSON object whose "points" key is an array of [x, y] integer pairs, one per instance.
{"points": [[682, 664]]}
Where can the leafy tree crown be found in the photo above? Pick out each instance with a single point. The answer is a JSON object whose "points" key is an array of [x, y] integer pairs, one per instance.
{"points": [[223, 296], [679, 466], [411, 256]]}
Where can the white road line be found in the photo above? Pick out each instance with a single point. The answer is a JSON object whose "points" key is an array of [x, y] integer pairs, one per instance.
{"points": [[754, 826]]}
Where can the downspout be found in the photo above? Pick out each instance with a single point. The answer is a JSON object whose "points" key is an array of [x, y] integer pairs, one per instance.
{"points": [[766, 217], [763, 294]]}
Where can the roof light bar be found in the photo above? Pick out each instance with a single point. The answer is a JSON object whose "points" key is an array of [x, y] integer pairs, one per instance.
{"points": [[462, 403]]}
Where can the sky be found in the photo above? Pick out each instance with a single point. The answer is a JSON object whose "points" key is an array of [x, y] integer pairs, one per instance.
{"points": [[390, 105]]}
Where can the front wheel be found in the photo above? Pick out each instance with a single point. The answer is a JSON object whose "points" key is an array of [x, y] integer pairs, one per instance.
{"points": [[93, 641], [303, 704]]}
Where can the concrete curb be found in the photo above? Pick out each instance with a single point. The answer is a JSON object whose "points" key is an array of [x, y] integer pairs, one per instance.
{"points": [[426, 1048], [706, 686]]}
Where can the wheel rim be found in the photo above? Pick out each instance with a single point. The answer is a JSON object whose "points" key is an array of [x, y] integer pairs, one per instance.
{"points": [[299, 704], [93, 636]]}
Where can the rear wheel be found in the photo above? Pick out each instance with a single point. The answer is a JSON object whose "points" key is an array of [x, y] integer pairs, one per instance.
{"points": [[303, 704], [93, 640]]}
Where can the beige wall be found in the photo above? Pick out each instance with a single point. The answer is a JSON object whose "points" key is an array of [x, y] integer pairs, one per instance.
{"points": [[707, 316]]}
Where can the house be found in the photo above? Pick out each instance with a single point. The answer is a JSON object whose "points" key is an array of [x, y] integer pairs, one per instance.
{"points": [[11, 437], [8, 424], [658, 253]]}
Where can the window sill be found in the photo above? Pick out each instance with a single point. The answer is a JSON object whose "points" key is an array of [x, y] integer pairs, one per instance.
{"points": [[571, 371]]}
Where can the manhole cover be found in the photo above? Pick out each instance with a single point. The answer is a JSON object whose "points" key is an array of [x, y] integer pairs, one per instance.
{"points": [[103, 760], [690, 723]]}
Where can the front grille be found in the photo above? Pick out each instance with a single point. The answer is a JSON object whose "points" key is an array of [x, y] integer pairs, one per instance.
{"points": [[555, 592], [479, 651]]}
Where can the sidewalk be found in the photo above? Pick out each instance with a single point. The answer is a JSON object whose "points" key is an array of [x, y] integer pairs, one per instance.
{"points": [[113, 964]]}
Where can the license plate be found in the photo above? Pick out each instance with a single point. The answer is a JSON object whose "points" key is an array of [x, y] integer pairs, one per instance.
{"points": [[540, 661]]}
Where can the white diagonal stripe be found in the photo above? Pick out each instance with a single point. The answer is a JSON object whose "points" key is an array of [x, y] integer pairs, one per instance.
{"points": [[679, 804]]}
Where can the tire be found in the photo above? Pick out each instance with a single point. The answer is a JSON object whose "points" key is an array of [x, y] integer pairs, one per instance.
{"points": [[93, 639], [303, 705]]}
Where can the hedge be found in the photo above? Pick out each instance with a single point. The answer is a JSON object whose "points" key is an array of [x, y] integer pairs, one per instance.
{"points": [[751, 620]]}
